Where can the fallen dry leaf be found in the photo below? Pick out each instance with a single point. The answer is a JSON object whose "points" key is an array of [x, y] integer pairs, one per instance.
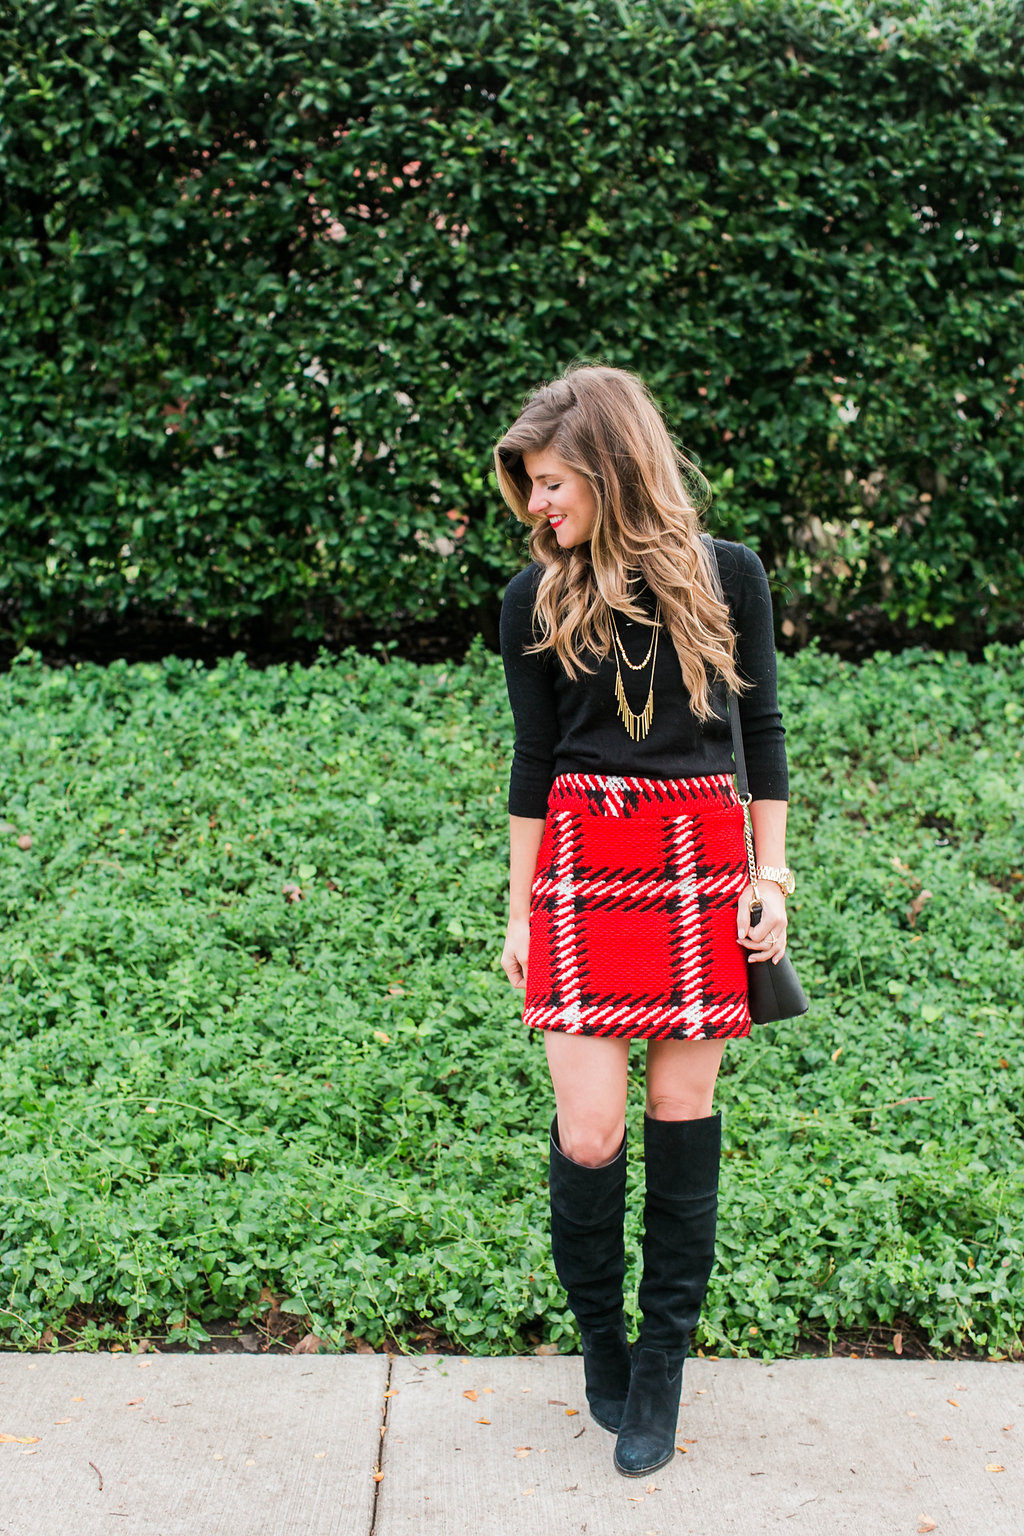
{"points": [[993, 1466], [309, 1344], [952, 1402], [78, 1399], [19, 1439], [927, 1524], [483, 1421], [488, 1390], [62, 1421], [472, 1394], [391, 1392], [546, 1349], [571, 1412], [521, 1455], [378, 1477], [897, 1343], [526, 1492]]}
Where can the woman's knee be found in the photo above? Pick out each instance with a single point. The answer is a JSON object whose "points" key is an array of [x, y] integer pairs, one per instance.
{"points": [[592, 1146], [681, 1077], [695, 1104]]}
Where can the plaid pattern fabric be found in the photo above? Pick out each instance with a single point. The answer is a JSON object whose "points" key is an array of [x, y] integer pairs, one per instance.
{"points": [[633, 910]]}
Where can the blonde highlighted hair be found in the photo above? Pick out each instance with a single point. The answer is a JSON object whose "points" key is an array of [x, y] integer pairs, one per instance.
{"points": [[603, 423]]}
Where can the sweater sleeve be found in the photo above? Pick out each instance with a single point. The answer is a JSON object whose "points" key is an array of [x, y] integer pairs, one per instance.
{"points": [[764, 737], [532, 696]]}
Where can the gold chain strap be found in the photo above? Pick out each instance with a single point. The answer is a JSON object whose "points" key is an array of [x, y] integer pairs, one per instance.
{"points": [[748, 838]]}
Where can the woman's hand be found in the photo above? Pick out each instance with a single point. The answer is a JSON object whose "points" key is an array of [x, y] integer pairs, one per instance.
{"points": [[516, 952], [768, 940]]}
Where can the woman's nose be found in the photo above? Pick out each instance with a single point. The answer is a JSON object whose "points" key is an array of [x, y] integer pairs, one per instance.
{"points": [[538, 501]]}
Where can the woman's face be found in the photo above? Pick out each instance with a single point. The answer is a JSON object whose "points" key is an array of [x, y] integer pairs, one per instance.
{"points": [[561, 495]]}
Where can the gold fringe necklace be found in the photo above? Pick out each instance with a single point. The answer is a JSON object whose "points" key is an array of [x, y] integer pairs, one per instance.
{"points": [[636, 724]]}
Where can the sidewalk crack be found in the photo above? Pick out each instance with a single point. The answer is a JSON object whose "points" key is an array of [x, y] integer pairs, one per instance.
{"points": [[378, 1471]]}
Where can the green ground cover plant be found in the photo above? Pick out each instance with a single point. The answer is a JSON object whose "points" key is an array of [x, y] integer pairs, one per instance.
{"points": [[254, 1037]]}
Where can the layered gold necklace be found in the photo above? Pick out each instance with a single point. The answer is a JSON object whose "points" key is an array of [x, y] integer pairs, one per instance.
{"points": [[636, 724]]}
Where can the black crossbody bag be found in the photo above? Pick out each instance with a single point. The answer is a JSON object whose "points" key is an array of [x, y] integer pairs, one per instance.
{"points": [[774, 991]]}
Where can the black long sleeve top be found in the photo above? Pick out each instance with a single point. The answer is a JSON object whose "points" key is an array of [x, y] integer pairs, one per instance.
{"points": [[566, 726]]}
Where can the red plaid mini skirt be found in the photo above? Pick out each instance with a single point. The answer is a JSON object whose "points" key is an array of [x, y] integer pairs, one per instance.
{"points": [[633, 910]]}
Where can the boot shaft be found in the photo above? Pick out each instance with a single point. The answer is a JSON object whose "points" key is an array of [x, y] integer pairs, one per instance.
{"points": [[680, 1218]]}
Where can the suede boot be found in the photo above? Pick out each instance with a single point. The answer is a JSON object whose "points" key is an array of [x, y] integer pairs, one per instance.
{"points": [[680, 1213], [588, 1206]]}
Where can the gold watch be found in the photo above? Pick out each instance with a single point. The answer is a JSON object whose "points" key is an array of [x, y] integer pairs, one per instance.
{"points": [[784, 878]]}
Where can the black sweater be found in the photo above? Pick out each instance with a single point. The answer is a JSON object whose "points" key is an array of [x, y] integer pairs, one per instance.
{"points": [[574, 727]]}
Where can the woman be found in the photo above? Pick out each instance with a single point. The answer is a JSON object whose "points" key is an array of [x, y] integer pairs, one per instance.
{"points": [[629, 898]]}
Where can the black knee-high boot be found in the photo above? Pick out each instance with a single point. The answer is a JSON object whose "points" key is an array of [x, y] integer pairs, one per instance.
{"points": [[587, 1211], [680, 1212]]}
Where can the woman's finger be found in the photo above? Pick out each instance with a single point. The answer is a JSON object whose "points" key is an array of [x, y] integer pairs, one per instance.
{"points": [[514, 969]]}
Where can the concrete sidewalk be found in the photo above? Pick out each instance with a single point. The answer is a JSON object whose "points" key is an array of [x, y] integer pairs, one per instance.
{"points": [[235, 1445]]}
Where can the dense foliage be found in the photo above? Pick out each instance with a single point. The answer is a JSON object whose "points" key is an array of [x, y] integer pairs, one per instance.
{"points": [[254, 1037], [277, 273]]}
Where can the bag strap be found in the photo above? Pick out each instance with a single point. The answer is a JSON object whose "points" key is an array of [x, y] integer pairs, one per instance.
{"points": [[733, 711]]}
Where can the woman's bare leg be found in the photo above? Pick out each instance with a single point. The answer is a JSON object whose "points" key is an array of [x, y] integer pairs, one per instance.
{"points": [[681, 1076], [589, 1076]]}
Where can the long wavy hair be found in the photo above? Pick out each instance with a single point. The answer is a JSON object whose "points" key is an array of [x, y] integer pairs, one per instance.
{"points": [[604, 424]]}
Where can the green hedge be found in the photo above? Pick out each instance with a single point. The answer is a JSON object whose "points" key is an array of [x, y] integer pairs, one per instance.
{"points": [[277, 275]]}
